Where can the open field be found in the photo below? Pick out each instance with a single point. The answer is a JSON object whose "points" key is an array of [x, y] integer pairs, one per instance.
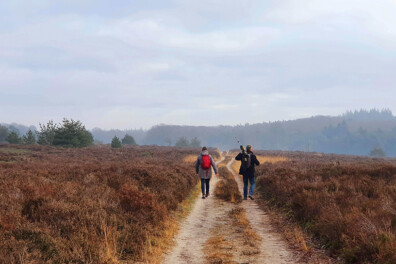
{"points": [[347, 203], [102, 205], [92, 205]]}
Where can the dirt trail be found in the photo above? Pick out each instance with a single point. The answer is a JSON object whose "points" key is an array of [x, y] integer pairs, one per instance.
{"points": [[194, 231], [211, 214], [272, 249]]}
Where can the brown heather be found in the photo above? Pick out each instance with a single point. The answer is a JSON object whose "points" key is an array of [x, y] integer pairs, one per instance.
{"points": [[227, 188], [92, 205], [348, 203]]}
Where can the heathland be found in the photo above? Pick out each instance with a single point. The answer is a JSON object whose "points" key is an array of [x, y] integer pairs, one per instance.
{"points": [[91, 205], [347, 203], [104, 205]]}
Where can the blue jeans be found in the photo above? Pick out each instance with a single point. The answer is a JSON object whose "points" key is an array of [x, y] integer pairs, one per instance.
{"points": [[252, 181], [203, 187]]}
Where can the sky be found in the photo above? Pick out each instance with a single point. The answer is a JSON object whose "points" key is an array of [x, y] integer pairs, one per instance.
{"points": [[135, 64]]}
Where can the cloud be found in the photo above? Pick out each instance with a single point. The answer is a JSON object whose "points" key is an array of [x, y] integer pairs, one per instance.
{"points": [[152, 33], [137, 64]]}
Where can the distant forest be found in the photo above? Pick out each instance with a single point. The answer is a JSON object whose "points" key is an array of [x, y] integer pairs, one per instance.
{"points": [[353, 133]]}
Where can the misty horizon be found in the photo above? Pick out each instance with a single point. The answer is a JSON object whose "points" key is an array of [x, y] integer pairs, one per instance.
{"points": [[36, 126]]}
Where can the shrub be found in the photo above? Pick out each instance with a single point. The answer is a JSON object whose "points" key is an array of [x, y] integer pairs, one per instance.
{"points": [[128, 140], [182, 142], [116, 143], [377, 152], [227, 188]]}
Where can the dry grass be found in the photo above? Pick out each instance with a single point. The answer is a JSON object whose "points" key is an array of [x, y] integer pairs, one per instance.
{"points": [[262, 159], [190, 159], [237, 243], [227, 188], [271, 159], [218, 250], [251, 238], [235, 166], [348, 203], [93, 205], [13, 149]]}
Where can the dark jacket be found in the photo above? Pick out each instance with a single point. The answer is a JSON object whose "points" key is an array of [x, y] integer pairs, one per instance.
{"points": [[253, 162]]}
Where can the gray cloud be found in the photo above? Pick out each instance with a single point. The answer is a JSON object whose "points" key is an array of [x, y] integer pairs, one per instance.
{"points": [[137, 64]]}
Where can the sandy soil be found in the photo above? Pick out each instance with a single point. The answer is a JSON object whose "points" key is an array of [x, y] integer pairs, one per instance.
{"points": [[211, 216], [273, 249]]}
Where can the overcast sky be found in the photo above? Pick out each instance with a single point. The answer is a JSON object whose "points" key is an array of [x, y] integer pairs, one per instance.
{"points": [[134, 64]]}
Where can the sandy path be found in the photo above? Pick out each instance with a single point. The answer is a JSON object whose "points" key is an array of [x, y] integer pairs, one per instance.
{"points": [[211, 214], [273, 249], [194, 231]]}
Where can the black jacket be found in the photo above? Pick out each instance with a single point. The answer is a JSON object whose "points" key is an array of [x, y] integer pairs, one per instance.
{"points": [[253, 162]]}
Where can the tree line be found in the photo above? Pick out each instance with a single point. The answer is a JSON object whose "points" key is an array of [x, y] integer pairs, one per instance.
{"points": [[69, 133], [363, 132]]}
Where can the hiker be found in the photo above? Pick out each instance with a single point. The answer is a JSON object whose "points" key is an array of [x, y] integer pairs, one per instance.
{"points": [[248, 161], [203, 166]]}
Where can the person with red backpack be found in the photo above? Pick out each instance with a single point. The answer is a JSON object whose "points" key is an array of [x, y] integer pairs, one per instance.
{"points": [[203, 167]]}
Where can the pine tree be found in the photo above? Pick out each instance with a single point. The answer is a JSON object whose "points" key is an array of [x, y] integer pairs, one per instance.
{"points": [[47, 133], [29, 138], [116, 143], [14, 138], [72, 134], [68, 134]]}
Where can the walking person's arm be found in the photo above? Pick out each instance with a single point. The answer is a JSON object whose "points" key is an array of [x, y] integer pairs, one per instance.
{"points": [[214, 166], [256, 160], [197, 165], [239, 157]]}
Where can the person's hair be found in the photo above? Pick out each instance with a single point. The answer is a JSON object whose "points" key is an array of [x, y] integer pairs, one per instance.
{"points": [[204, 148], [249, 147]]}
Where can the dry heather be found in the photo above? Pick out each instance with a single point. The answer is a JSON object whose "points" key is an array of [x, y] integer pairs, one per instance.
{"points": [[227, 188], [348, 203], [93, 205], [236, 244]]}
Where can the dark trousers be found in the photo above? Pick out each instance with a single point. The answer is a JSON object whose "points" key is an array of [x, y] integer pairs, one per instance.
{"points": [[246, 180], [205, 185]]}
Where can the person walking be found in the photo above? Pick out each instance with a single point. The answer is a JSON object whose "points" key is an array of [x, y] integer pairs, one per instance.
{"points": [[247, 170], [203, 167]]}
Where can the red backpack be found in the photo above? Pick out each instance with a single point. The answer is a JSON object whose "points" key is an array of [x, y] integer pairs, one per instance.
{"points": [[205, 164]]}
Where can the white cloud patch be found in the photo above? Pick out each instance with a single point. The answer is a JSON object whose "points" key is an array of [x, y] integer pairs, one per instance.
{"points": [[153, 33]]}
